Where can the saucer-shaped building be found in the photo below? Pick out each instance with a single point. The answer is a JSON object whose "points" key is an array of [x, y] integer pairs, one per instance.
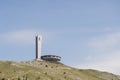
{"points": [[51, 58], [38, 42]]}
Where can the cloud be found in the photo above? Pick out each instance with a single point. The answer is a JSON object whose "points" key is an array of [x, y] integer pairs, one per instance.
{"points": [[18, 37], [21, 36], [109, 63], [106, 53], [105, 41], [107, 29], [102, 53]]}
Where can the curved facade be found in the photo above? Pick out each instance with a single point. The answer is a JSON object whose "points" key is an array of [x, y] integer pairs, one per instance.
{"points": [[51, 58]]}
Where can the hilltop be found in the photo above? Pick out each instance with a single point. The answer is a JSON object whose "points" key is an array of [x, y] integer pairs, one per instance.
{"points": [[43, 70]]}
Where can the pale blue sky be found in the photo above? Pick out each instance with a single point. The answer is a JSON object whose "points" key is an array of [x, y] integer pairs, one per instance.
{"points": [[85, 33]]}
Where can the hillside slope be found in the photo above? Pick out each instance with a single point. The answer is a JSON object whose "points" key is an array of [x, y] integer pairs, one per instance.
{"points": [[33, 70]]}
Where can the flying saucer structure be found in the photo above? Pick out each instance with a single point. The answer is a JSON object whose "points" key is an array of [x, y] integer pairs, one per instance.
{"points": [[51, 58], [38, 41]]}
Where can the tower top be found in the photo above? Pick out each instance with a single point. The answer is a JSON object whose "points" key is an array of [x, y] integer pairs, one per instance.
{"points": [[38, 35]]}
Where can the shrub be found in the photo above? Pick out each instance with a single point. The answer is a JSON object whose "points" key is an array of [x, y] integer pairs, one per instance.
{"points": [[51, 66], [65, 77], [3, 79], [46, 65], [45, 73], [64, 72], [38, 78]]}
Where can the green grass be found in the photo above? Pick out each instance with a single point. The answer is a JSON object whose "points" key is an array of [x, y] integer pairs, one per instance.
{"points": [[33, 70]]}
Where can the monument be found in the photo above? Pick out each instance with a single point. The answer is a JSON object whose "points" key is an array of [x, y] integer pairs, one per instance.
{"points": [[38, 47], [44, 57]]}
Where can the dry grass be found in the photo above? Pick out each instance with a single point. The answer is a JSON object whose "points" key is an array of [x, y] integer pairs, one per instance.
{"points": [[33, 70]]}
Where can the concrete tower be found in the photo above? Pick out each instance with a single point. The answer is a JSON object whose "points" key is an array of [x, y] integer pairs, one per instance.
{"points": [[38, 47]]}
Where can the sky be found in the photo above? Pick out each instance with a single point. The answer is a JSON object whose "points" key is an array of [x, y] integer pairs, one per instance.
{"points": [[85, 33]]}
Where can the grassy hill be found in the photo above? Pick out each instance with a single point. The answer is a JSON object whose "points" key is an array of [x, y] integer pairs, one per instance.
{"points": [[34, 70]]}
